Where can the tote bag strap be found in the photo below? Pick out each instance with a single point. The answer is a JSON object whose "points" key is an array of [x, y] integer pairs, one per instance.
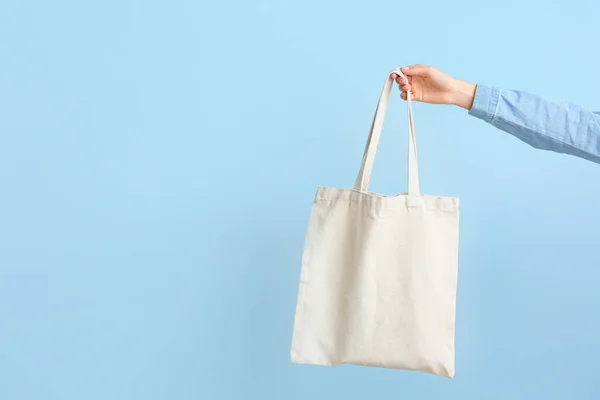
{"points": [[364, 175]]}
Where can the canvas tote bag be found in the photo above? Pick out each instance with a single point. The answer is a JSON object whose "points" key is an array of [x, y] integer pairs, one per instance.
{"points": [[378, 278]]}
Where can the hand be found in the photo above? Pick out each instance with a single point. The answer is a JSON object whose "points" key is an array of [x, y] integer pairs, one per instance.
{"points": [[430, 85]]}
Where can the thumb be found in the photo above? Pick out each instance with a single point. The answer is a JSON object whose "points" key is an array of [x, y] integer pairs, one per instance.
{"points": [[417, 70]]}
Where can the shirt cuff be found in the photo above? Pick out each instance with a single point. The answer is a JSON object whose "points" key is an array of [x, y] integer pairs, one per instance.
{"points": [[485, 103]]}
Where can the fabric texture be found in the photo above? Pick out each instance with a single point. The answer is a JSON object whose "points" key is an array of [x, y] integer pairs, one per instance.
{"points": [[559, 127], [379, 273]]}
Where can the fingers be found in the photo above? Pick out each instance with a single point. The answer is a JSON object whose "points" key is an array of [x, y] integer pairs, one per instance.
{"points": [[403, 83], [421, 70], [417, 70]]}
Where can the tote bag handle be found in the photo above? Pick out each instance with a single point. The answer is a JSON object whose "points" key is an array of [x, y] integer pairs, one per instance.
{"points": [[364, 175]]}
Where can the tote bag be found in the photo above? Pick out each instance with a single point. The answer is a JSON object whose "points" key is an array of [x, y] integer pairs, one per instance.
{"points": [[378, 279]]}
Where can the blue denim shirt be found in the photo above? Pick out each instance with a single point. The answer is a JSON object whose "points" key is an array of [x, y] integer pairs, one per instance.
{"points": [[559, 127]]}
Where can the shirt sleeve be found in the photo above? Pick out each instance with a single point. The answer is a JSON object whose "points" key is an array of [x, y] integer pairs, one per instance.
{"points": [[560, 127]]}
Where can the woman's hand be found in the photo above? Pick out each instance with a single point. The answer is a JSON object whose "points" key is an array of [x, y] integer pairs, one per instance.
{"points": [[430, 85]]}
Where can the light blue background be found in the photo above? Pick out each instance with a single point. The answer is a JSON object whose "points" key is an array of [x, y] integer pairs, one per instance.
{"points": [[158, 161]]}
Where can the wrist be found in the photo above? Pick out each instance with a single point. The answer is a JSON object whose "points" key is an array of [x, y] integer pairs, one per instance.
{"points": [[464, 94]]}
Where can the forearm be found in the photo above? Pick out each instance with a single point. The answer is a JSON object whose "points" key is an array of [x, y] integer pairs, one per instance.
{"points": [[559, 127]]}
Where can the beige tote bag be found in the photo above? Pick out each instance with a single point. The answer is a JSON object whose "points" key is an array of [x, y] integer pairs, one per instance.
{"points": [[378, 280]]}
